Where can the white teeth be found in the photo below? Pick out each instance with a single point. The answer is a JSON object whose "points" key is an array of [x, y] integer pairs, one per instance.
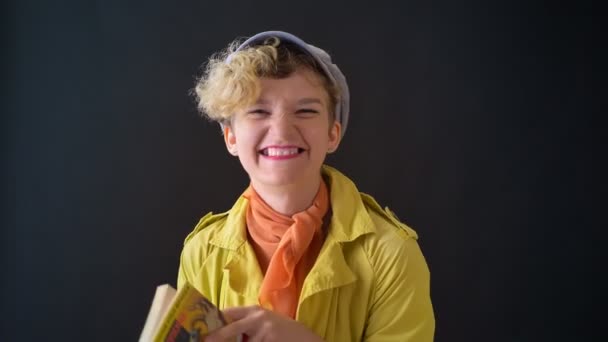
{"points": [[278, 152]]}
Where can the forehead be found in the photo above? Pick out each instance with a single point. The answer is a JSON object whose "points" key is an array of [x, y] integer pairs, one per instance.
{"points": [[302, 83]]}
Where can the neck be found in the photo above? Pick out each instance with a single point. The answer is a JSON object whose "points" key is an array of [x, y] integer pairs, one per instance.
{"points": [[290, 199]]}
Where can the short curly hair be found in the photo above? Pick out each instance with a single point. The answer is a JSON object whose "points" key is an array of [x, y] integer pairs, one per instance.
{"points": [[230, 80]]}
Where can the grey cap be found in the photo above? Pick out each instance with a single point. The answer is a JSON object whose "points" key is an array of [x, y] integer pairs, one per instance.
{"points": [[323, 59]]}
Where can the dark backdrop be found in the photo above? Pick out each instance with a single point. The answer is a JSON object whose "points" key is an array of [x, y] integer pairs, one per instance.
{"points": [[470, 120]]}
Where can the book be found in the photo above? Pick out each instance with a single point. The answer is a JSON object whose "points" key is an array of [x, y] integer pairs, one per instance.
{"points": [[183, 315]]}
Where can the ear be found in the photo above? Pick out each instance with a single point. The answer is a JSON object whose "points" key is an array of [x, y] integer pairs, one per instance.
{"points": [[334, 136], [230, 140]]}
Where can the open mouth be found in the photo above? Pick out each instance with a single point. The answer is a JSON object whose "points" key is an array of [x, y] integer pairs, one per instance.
{"points": [[281, 151]]}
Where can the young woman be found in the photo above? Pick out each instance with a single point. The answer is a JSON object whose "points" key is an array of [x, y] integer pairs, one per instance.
{"points": [[302, 255]]}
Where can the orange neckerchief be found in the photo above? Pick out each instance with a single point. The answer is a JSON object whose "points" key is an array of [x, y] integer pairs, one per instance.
{"points": [[286, 248]]}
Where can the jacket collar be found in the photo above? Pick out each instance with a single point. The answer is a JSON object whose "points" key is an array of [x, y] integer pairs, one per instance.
{"points": [[233, 234], [350, 218], [349, 221]]}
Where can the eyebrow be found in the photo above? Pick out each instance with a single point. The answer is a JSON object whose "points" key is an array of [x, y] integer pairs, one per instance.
{"points": [[310, 100]]}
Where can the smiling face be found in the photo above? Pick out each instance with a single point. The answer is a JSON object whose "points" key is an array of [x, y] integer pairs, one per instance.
{"points": [[283, 138]]}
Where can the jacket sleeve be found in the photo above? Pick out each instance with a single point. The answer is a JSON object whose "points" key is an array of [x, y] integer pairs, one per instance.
{"points": [[187, 268], [401, 308]]}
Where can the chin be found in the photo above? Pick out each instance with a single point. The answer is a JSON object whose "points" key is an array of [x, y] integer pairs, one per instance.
{"points": [[278, 179]]}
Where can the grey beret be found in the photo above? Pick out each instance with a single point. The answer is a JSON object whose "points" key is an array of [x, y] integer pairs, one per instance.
{"points": [[323, 59]]}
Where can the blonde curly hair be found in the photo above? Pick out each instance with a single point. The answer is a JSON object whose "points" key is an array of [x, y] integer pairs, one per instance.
{"points": [[230, 80]]}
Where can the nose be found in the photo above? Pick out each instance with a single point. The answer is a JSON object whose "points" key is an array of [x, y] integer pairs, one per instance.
{"points": [[282, 124]]}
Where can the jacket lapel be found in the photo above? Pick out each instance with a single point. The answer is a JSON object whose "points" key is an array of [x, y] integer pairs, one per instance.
{"points": [[349, 221], [244, 274], [241, 265]]}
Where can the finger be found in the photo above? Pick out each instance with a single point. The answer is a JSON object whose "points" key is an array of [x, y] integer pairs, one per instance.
{"points": [[232, 330], [239, 312]]}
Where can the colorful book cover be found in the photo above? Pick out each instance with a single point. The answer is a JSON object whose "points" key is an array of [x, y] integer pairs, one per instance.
{"points": [[189, 318]]}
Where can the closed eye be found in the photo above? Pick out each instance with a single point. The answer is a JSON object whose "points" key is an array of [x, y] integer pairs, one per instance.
{"points": [[307, 111], [258, 112]]}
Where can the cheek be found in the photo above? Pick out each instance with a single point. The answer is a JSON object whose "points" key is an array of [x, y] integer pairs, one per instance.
{"points": [[319, 135], [318, 128], [246, 143], [244, 134]]}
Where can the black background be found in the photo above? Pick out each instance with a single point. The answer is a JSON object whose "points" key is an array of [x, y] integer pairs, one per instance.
{"points": [[470, 119]]}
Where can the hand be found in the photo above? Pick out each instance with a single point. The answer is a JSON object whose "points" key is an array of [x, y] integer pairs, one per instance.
{"points": [[261, 325]]}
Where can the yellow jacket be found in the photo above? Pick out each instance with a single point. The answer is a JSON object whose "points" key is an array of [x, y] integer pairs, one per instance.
{"points": [[370, 281]]}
